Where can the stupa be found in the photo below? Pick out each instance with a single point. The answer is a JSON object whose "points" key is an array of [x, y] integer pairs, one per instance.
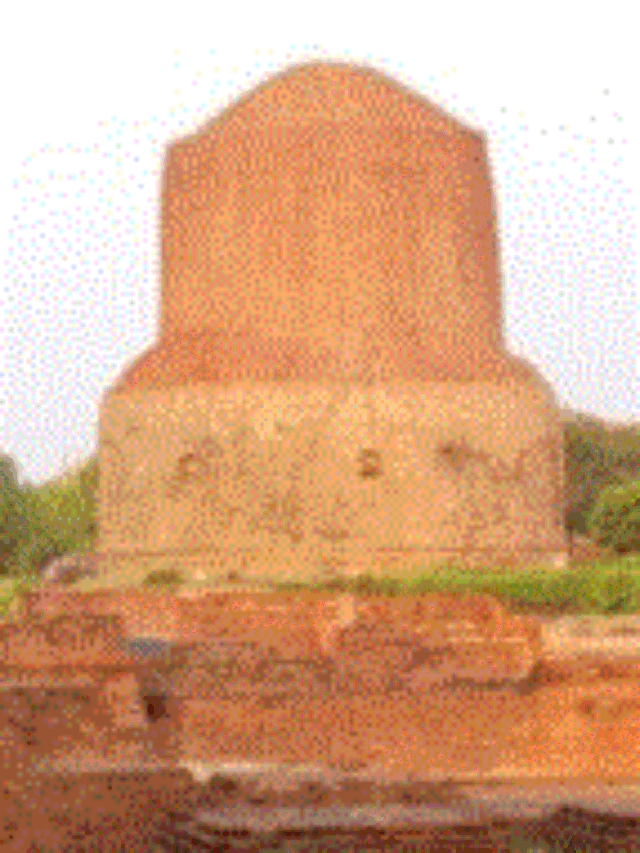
{"points": [[330, 391]]}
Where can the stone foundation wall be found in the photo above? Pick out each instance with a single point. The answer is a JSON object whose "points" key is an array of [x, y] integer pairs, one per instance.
{"points": [[264, 480]]}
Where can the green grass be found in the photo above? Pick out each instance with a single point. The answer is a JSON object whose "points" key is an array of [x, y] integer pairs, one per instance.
{"points": [[609, 588], [594, 588]]}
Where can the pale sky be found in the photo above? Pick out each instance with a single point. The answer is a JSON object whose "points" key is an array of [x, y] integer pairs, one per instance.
{"points": [[93, 93]]}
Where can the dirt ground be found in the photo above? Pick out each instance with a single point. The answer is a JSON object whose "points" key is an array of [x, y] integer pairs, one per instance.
{"points": [[167, 811]]}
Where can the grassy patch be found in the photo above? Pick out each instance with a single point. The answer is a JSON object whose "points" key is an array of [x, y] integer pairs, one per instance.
{"points": [[164, 579], [592, 588], [608, 588]]}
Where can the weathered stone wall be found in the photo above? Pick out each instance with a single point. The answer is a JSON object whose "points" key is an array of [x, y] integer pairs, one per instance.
{"points": [[325, 476], [329, 388]]}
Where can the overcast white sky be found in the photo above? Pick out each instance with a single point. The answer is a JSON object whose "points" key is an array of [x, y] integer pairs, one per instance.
{"points": [[93, 92]]}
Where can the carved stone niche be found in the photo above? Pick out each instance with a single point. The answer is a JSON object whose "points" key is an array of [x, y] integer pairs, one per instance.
{"points": [[370, 463]]}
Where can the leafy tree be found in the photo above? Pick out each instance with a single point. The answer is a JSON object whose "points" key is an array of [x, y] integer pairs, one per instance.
{"points": [[595, 458], [67, 520], [614, 520], [13, 512], [8, 471], [41, 522]]}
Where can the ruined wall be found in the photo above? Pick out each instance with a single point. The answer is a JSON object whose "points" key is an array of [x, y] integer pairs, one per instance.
{"points": [[330, 382]]}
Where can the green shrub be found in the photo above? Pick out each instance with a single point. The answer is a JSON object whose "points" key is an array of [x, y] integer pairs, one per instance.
{"points": [[595, 457], [66, 518], [13, 514], [52, 520], [614, 520], [164, 578]]}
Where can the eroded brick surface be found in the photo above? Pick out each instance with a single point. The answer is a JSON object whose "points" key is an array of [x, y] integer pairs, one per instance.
{"points": [[63, 640], [435, 683]]}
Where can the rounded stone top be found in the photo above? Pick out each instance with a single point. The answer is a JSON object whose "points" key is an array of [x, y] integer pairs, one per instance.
{"points": [[338, 92]]}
